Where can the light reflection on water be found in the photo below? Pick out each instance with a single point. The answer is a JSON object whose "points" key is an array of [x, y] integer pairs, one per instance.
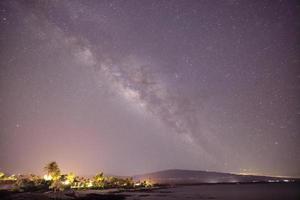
{"points": [[272, 191]]}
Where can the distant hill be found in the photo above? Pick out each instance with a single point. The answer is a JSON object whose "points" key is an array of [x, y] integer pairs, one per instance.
{"points": [[177, 176]]}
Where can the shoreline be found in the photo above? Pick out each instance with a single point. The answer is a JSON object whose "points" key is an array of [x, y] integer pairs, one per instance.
{"points": [[113, 194]]}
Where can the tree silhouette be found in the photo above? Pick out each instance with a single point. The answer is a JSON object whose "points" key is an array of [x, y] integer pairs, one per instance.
{"points": [[53, 170]]}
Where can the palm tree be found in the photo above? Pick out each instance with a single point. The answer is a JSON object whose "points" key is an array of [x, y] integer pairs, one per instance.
{"points": [[53, 170], [99, 180]]}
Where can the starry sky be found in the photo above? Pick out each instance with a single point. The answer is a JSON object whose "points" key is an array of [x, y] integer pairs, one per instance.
{"points": [[135, 86]]}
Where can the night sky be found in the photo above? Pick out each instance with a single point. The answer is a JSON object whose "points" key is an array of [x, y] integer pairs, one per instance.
{"points": [[135, 86]]}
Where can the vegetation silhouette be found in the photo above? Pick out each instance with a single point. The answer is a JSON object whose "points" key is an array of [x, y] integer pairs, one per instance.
{"points": [[56, 181]]}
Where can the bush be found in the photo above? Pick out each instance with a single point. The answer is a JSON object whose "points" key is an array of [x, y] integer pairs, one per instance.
{"points": [[30, 183], [2, 175]]}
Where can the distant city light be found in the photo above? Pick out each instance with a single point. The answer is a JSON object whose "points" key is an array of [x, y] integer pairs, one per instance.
{"points": [[47, 177]]}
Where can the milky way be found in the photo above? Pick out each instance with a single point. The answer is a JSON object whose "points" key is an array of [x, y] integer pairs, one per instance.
{"points": [[134, 86]]}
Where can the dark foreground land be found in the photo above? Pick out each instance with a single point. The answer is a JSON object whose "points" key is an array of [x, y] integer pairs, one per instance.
{"points": [[262, 191]]}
